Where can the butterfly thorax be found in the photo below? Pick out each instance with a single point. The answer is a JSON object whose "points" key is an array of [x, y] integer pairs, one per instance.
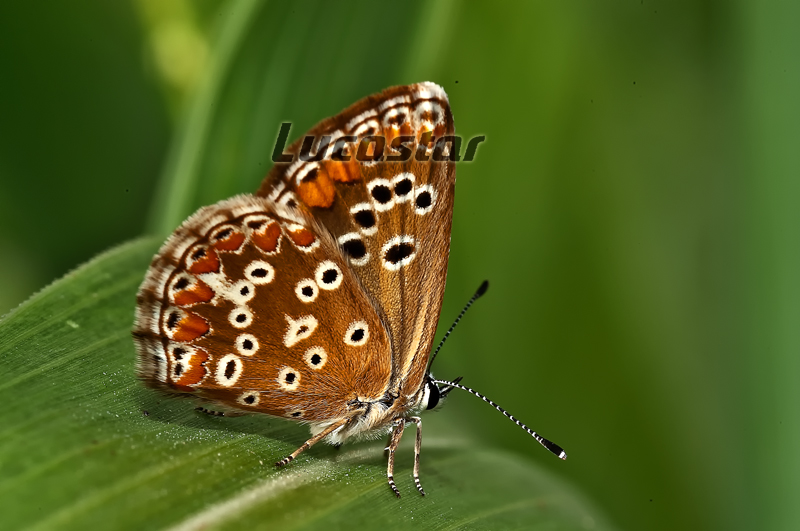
{"points": [[374, 418]]}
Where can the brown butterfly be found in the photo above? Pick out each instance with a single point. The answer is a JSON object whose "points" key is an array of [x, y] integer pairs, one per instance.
{"points": [[317, 299]]}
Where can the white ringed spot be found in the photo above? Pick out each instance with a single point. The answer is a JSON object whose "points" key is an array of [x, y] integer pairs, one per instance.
{"points": [[428, 113], [288, 379], [299, 329], [354, 248], [403, 185], [316, 357], [241, 292], [229, 369], [328, 275], [364, 217], [399, 251], [259, 272], [424, 199], [249, 398], [240, 317], [357, 334], [246, 344], [396, 117], [380, 190], [306, 290]]}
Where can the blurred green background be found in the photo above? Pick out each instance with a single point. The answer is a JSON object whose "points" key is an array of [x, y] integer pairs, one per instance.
{"points": [[635, 205]]}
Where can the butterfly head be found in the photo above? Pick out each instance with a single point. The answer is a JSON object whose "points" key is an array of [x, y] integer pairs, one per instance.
{"points": [[434, 396]]}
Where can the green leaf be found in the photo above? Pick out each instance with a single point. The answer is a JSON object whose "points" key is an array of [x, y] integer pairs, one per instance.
{"points": [[85, 446]]}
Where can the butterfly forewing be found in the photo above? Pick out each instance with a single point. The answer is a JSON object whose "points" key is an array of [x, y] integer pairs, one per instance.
{"points": [[390, 215], [253, 305]]}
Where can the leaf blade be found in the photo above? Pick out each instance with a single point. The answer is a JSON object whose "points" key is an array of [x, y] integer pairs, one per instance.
{"points": [[93, 447]]}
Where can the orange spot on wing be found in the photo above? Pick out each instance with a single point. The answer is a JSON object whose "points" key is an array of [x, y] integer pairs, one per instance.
{"points": [[190, 328], [194, 370], [343, 172], [268, 237], [317, 191], [231, 243], [302, 237], [208, 262], [199, 292]]}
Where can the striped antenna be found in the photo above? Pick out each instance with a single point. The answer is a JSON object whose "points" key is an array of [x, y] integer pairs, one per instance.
{"points": [[481, 290], [553, 447]]}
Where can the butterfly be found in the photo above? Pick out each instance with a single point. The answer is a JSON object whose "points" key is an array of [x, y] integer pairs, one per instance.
{"points": [[317, 298]]}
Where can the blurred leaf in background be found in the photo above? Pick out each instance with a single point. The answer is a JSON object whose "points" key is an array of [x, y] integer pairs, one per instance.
{"points": [[634, 205], [83, 132]]}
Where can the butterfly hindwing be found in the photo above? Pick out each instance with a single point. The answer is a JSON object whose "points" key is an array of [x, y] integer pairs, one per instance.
{"points": [[253, 305]]}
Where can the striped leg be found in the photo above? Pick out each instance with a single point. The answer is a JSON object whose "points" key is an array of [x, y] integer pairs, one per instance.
{"points": [[388, 444], [400, 425], [210, 412], [311, 442], [417, 449]]}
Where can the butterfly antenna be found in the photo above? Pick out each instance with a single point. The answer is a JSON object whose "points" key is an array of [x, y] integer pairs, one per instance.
{"points": [[481, 290], [553, 447]]}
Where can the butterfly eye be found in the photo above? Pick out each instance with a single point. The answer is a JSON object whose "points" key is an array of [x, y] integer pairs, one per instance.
{"points": [[433, 394]]}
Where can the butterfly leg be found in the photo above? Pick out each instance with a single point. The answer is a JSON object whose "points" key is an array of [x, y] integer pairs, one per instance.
{"points": [[309, 443], [210, 412], [417, 449], [388, 443], [397, 433]]}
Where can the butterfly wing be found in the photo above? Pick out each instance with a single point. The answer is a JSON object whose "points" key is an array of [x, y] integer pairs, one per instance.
{"points": [[253, 305], [391, 218]]}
